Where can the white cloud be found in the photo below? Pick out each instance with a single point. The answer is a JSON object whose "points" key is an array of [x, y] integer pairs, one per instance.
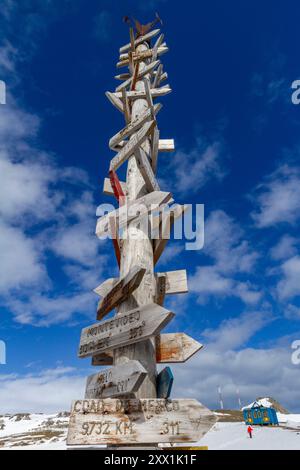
{"points": [[225, 362], [47, 392], [289, 284], [232, 257], [285, 248], [193, 169], [278, 199]]}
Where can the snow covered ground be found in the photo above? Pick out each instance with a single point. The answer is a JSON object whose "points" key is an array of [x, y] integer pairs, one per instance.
{"points": [[43, 432]]}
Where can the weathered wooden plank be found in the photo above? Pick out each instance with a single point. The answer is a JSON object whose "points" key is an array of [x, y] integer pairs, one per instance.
{"points": [[133, 126], [168, 222], [118, 381], [164, 383], [107, 188], [115, 100], [166, 145], [162, 49], [140, 40], [160, 289], [146, 170], [156, 46], [121, 291], [132, 80], [138, 74], [129, 149], [155, 92], [133, 210], [175, 347], [117, 188], [133, 421], [157, 77], [126, 107], [154, 149], [115, 240], [176, 283], [171, 348], [126, 328]]}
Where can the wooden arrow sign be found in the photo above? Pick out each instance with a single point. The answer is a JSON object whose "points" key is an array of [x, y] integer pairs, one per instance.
{"points": [[121, 291], [164, 383], [135, 95], [176, 283], [137, 56], [126, 328], [175, 347], [133, 421], [133, 127], [133, 210], [171, 348], [115, 101], [145, 168], [115, 382], [128, 150]]}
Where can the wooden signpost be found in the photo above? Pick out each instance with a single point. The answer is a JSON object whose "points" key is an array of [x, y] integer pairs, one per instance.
{"points": [[116, 382], [126, 328], [133, 421], [129, 403]]}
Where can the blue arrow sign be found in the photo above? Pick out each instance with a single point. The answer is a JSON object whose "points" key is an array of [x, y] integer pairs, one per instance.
{"points": [[164, 383]]}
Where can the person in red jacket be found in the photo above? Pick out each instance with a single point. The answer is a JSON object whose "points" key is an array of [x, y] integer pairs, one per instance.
{"points": [[250, 431]]}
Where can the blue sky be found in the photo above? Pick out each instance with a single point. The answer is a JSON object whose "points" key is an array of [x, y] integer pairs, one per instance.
{"points": [[231, 66]]}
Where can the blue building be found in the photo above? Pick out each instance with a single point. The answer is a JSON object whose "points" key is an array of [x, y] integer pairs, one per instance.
{"points": [[260, 415]]}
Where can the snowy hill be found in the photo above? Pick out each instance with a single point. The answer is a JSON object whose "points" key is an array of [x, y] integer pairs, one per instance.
{"points": [[48, 432]]}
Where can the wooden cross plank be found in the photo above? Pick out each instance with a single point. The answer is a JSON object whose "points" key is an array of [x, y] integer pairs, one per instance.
{"points": [[132, 421], [115, 240], [129, 149], [166, 145], [146, 170], [133, 210], [117, 188], [126, 328], [138, 74], [157, 77], [155, 92], [176, 283], [168, 222], [161, 287], [171, 348], [161, 78], [132, 127], [121, 291], [164, 383], [140, 40], [108, 190], [119, 381], [159, 41], [132, 80], [143, 55], [154, 149], [115, 101]]}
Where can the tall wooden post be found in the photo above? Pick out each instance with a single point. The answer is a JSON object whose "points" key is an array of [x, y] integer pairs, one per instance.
{"points": [[129, 403], [139, 252]]}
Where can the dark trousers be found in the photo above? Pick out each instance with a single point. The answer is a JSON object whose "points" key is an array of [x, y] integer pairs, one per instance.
{"points": [[250, 435]]}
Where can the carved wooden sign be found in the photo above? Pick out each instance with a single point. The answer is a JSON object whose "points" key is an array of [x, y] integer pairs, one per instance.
{"points": [[171, 348], [134, 95], [127, 328], [132, 210], [121, 291], [140, 40], [133, 421], [145, 168], [118, 381]]}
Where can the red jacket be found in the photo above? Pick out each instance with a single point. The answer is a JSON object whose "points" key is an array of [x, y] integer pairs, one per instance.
{"points": [[249, 429]]}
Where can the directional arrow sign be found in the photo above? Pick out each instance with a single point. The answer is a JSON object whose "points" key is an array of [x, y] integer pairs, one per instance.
{"points": [[132, 210], [164, 383], [175, 347], [115, 382], [121, 291], [126, 328], [170, 348], [133, 421], [148, 69], [134, 95], [140, 40], [131, 145]]}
